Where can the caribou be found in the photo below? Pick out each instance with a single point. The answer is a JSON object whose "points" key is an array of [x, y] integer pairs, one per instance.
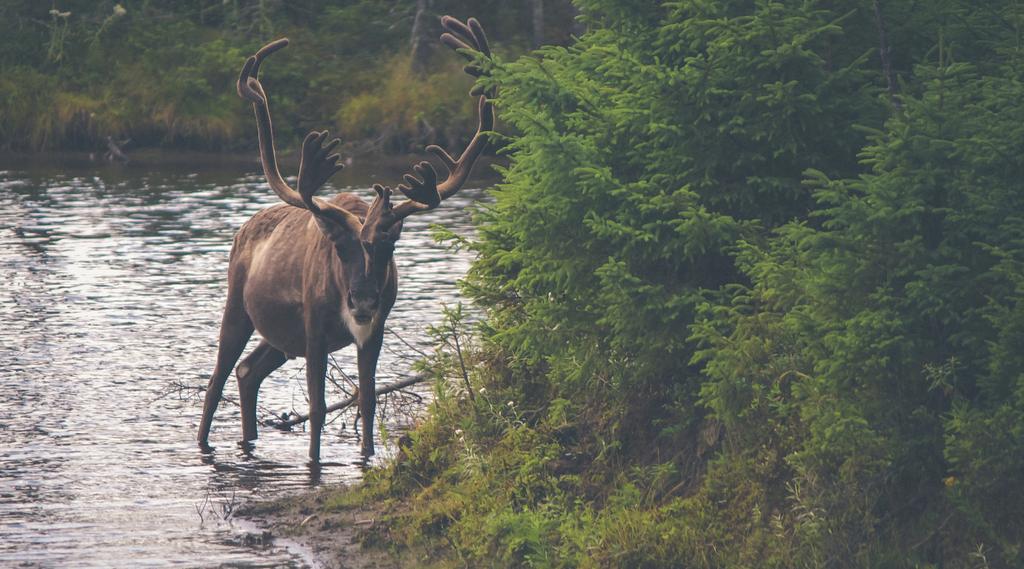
{"points": [[313, 275]]}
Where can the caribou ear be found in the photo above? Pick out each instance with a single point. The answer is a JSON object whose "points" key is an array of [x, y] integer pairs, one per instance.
{"points": [[337, 223]]}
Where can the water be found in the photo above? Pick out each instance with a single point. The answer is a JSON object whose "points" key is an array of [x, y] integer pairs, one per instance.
{"points": [[112, 283]]}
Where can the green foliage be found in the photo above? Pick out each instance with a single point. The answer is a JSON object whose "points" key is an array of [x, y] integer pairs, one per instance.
{"points": [[750, 308], [888, 368]]}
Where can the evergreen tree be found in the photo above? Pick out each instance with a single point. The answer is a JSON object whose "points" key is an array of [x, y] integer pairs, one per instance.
{"points": [[752, 294]]}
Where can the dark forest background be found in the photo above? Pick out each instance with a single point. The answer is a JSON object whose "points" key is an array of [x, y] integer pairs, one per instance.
{"points": [[162, 73]]}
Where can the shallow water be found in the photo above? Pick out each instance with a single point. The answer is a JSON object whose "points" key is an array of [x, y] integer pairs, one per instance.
{"points": [[112, 281]]}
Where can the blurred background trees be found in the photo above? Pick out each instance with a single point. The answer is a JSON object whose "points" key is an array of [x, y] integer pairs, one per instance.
{"points": [[162, 73]]}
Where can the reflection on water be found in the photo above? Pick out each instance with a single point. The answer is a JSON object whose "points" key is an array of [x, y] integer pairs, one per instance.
{"points": [[112, 288]]}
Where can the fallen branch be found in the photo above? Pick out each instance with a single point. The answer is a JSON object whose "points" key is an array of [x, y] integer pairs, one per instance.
{"points": [[291, 421]]}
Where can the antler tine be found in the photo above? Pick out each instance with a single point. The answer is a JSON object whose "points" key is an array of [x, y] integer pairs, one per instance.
{"points": [[251, 69], [316, 167], [382, 204], [267, 50], [250, 89], [463, 36], [468, 37], [480, 37], [425, 191], [459, 170], [426, 194], [313, 142], [317, 164]]}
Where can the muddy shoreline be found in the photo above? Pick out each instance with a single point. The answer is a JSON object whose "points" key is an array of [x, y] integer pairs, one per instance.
{"points": [[327, 534]]}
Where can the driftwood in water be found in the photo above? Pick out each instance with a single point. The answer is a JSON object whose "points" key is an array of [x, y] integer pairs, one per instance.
{"points": [[292, 420], [114, 151]]}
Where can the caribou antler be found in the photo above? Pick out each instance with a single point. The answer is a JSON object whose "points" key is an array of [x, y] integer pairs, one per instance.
{"points": [[317, 164], [470, 37], [422, 190]]}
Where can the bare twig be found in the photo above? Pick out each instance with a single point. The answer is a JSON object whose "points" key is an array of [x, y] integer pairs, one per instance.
{"points": [[187, 392], [391, 331], [228, 507], [201, 509], [348, 401], [336, 368]]}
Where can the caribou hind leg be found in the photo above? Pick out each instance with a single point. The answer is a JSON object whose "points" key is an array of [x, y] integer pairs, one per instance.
{"points": [[235, 330], [263, 360]]}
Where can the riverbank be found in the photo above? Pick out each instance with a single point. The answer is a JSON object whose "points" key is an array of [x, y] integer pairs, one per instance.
{"points": [[334, 524], [138, 160]]}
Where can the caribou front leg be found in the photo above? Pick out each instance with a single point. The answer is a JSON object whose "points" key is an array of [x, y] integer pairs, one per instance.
{"points": [[316, 369], [367, 355]]}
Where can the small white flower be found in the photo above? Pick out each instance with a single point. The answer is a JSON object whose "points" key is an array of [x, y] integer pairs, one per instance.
{"points": [[511, 404], [483, 390], [458, 432]]}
